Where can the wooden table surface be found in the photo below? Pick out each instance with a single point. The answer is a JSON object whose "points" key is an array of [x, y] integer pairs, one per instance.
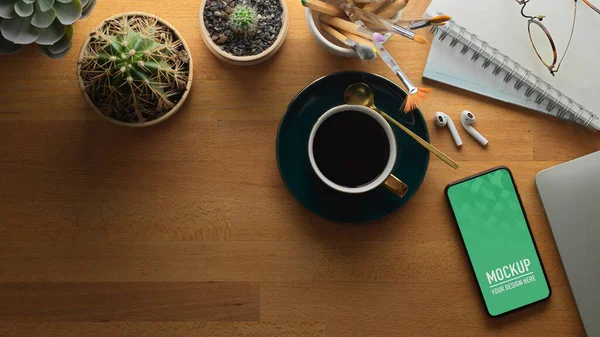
{"points": [[186, 229]]}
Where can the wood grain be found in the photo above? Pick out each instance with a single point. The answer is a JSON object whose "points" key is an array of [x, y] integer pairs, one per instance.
{"points": [[155, 261], [130, 301], [407, 308], [40, 302], [185, 301], [186, 228], [161, 329]]}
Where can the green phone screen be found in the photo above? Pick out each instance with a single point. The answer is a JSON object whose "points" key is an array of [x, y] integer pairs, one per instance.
{"points": [[498, 241]]}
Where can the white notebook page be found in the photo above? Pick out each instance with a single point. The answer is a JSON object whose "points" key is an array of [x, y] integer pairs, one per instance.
{"points": [[499, 22]]}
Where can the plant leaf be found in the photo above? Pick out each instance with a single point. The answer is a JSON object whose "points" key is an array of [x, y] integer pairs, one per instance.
{"points": [[46, 51], [133, 39], [87, 10], [150, 44], [7, 9], [45, 5], [19, 30], [164, 65], [84, 3], [137, 42], [68, 13], [23, 9], [115, 46], [42, 19], [151, 65], [52, 34], [64, 43], [7, 47], [103, 57], [138, 74], [64, 1]]}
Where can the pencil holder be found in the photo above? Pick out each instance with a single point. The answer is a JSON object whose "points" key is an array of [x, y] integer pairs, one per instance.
{"points": [[329, 43], [325, 40]]}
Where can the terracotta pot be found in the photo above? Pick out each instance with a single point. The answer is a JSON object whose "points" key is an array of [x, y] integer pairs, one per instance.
{"points": [[245, 60], [166, 116]]}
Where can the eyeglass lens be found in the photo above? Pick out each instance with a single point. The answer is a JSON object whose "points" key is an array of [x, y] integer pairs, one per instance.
{"points": [[542, 44]]}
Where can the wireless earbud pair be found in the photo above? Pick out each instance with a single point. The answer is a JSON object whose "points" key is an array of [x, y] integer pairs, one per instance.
{"points": [[467, 120]]}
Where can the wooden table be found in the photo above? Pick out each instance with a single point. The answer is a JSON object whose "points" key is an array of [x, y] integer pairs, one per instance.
{"points": [[186, 229]]}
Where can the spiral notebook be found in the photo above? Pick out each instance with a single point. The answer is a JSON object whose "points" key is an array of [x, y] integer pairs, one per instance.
{"points": [[486, 50]]}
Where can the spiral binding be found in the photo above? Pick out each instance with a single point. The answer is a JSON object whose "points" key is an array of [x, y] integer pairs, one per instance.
{"points": [[488, 60], [467, 47], [542, 97], [512, 73], [501, 66], [457, 38], [558, 104], [523, 80], [563, 111], [576, 116], [588, 122], [477, 54], [554, 103], [533, 88]]}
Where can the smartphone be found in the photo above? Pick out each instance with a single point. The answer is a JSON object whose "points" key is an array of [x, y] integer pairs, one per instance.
{"points": [[498, 241]]}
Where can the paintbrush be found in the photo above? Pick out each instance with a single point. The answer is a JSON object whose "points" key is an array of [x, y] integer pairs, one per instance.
{"points": [[422, 23], [364, 52], [415, 95], [324, 7], [352, 28], [373, 18], [361, 40]]}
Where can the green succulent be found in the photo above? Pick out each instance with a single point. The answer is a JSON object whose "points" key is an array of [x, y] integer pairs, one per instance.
{"points": [[243, 20], [134, 69], [49, 23]]}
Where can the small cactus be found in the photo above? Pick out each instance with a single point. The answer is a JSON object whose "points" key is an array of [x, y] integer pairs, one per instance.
{"points": [[134, 69], [243, 20]]}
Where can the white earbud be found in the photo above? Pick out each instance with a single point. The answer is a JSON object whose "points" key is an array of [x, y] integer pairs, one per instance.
{"points": [[468, 119], [441, 120]]}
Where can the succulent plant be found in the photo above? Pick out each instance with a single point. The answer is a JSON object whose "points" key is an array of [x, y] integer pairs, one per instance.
{"points": [[243, 20], [134, 69], [49, 23]]}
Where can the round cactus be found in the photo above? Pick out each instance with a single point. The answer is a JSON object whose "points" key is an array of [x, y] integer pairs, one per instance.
{"points": [[243, 20], [134, 69], [49, 23]]}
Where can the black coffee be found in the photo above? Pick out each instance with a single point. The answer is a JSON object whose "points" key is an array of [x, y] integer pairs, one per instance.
{"points": [[351, 149]]}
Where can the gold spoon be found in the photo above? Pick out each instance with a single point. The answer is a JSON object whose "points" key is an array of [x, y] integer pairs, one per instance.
{"points": [[362, 94]]}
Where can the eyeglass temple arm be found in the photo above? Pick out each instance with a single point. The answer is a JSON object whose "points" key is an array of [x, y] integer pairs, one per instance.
{"points": [[524, 3], [592, 6], [570, 39]]}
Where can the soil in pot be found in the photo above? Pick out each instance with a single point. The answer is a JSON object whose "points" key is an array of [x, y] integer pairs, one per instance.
{"points": [[134, 69], [217, 21]]}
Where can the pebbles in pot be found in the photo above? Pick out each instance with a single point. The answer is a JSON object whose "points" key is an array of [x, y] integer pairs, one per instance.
{"points": [[216, 20]]}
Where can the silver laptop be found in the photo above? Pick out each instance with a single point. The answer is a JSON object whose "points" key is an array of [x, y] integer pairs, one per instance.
{"points": [[571, 196]]}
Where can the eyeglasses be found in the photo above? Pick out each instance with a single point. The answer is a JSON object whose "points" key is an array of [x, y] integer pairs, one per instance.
{"points": [[542, 41]]}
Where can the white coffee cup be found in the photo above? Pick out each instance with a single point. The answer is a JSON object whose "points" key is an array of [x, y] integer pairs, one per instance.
{"points": [[386, 177]]}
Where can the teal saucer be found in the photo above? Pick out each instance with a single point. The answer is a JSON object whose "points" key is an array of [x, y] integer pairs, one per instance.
{"points": [[292, 150]]}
